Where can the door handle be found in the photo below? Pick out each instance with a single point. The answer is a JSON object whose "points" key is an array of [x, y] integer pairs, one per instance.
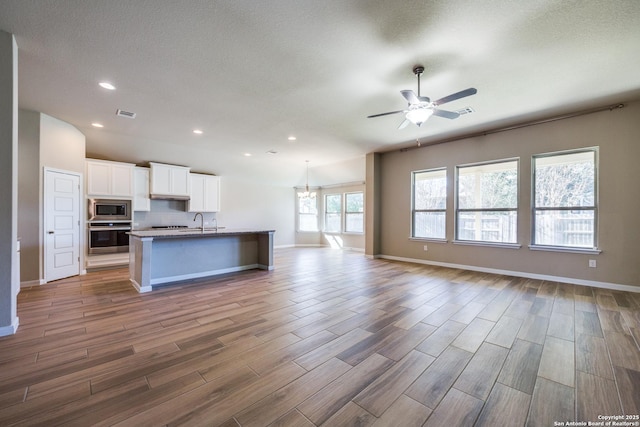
{"points": [[51, 232]]}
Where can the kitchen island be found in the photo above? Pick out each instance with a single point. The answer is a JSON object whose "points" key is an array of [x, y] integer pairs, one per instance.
{"points": [[159, 257]]}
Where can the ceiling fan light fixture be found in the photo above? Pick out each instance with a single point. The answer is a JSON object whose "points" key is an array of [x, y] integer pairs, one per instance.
{"points": [[419, 115]]}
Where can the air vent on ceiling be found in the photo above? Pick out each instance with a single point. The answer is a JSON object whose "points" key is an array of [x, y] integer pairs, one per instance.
{"points": [[127, 114], [466, 110]]}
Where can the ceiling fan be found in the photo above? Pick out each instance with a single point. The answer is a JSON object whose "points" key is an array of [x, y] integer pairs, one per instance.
{"points": [[420, 108]]}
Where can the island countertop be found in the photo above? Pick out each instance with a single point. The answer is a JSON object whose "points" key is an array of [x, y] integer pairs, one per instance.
{"points": [[195, 232]]}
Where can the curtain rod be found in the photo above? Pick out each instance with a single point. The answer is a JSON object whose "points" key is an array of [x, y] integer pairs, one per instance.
{"points": [[518, 126]]}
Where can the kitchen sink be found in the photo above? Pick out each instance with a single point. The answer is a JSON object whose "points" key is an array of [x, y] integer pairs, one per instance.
{"points": [[188, 230]]}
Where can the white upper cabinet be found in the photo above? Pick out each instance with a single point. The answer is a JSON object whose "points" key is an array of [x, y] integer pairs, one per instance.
{"points": [[205, 193], [141, 199], [109, 179], [169, 181]]}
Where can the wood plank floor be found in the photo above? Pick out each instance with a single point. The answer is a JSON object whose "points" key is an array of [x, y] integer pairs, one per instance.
{"points": [[327, 338]]}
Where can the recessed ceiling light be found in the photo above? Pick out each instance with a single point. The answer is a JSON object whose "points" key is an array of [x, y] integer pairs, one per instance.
{"points": [[197, 131], [97, 125], [292, 138], [107, 85], [247, 154]]}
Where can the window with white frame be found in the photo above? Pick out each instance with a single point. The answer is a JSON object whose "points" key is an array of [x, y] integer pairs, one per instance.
{"points": [[487, 202], [333, 213], [565, 199], [354, 212], [307, 213], [429, 204]]}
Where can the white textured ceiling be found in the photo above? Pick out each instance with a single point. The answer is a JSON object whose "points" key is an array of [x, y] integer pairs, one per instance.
{"points": [[250, 73]]}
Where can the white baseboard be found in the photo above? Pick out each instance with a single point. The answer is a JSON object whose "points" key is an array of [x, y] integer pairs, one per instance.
{"points": [[571, 280], [10, 329], [321, 245], [181, 277], [29, 283], [284, 246], [139, 288]]}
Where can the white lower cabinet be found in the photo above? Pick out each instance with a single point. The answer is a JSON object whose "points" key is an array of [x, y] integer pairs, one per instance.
{"points": [[205, 193]]}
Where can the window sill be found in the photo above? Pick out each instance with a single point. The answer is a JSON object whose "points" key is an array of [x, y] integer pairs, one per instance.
{"points": [[589, 251], [428, 239], [488, 244]]}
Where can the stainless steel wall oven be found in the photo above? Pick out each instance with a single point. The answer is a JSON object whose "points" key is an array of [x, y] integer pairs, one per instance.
{"points": [[109, 237]]}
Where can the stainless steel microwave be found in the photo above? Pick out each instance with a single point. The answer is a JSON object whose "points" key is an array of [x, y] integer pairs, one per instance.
{"points": [[109, 210]]}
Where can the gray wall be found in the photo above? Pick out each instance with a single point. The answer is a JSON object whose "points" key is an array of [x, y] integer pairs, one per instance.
{"points": [[29, 195], [616, 132], [44, 141], [372, 207], [8, 183]]}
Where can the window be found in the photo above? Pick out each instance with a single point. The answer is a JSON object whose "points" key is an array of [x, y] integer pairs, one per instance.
{"points": [[307, 214], [429, 204], [487, 202], [354, 212], [564, 199], [333, 213]]}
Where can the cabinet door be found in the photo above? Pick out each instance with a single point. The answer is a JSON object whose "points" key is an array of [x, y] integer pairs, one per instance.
{"points": [[211, 194], [160, 179], [98, 179], [180, 181], [121, 180], [169, 180], [141, 200], [111, 179], [196, 198]]}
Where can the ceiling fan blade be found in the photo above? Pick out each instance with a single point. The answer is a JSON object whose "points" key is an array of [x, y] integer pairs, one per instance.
{"points": [[457, 95], [385, 114], [410, 96], [424, 99], [404, 124], [446, 114]]}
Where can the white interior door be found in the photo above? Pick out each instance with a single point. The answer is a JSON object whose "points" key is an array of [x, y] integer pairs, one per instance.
{"points": [[61, 225]]}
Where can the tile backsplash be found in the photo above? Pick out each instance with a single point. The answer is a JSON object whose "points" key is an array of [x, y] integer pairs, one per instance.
{"points": [[168, 212]]}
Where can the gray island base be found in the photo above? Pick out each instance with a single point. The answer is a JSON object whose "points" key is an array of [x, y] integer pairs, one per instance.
{"points": [[158, 257]]}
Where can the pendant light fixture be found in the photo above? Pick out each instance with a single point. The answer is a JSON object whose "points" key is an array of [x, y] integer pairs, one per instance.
{"points": [[306, 194]]}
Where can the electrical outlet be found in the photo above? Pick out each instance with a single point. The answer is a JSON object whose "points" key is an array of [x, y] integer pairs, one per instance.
{"points": [[592, 263], [425, 248]]}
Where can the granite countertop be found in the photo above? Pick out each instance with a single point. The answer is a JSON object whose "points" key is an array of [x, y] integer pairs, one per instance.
{"points": [[195, 232]]}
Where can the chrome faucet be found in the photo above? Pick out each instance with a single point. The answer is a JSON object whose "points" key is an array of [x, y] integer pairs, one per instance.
{"points": [[201, 220], [215, 224]]}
